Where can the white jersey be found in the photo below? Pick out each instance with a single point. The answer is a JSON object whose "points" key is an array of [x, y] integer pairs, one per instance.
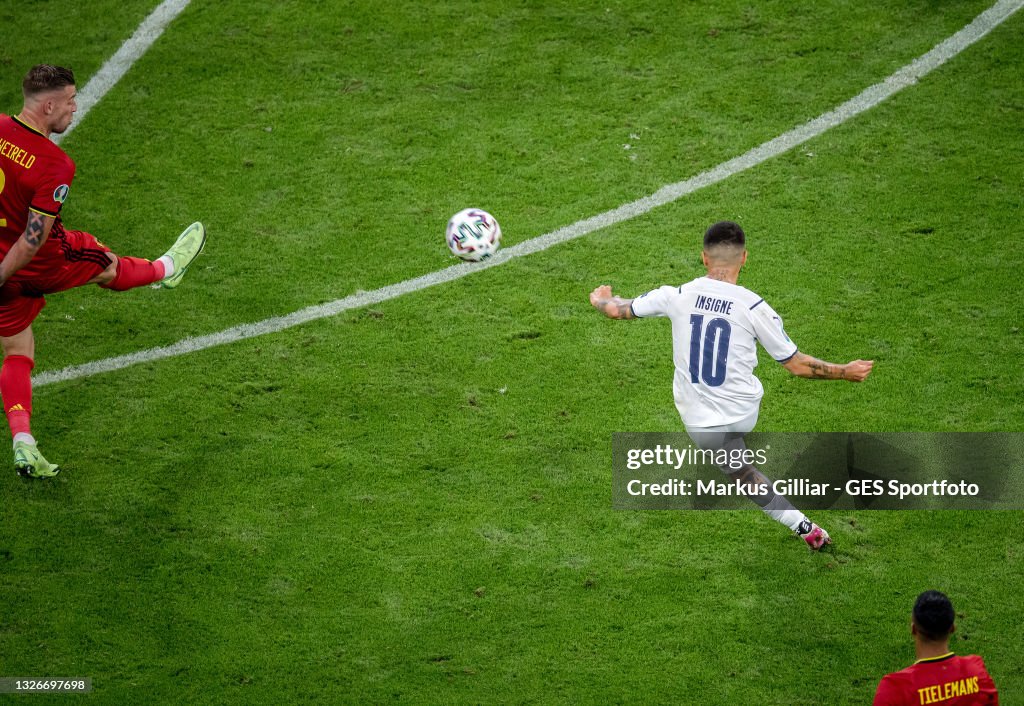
{"points": [[715, 327]]}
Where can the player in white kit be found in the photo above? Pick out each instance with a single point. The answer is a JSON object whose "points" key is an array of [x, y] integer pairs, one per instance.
{"points": [[716, 325]]}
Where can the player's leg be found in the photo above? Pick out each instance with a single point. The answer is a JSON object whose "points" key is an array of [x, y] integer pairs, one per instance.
{"points": [[121, 272], [756, 485], [16, 391], [779, 508], [730, 439], [82, 259], [124, 273]]}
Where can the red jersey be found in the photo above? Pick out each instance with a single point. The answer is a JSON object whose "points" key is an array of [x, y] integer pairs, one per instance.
{"points": [[34, 174], [948, 680]]}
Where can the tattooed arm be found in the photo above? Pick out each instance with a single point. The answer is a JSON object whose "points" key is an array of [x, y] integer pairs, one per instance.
{"points": [[612, 307], [806, 366], [25, 248]]}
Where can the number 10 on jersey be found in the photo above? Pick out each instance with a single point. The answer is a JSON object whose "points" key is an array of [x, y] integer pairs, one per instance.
{"points": [[709, 350]]}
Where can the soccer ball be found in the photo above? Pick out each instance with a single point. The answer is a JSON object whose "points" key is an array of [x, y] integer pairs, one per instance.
{"points": [[473, 235]]}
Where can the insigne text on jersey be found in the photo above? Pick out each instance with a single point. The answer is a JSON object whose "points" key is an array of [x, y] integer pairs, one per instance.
{"points": [[717, 306]]}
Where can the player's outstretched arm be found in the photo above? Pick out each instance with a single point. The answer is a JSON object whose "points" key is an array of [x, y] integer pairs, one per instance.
{"points": [[611, 306], [37, 230], [806, 366]]}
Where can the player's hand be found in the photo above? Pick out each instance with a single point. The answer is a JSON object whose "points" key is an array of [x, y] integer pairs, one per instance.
{"points": [[857, 370], [601, 295]]}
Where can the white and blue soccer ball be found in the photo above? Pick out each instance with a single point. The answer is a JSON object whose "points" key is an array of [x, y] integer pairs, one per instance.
{"points": [[473, 234]]}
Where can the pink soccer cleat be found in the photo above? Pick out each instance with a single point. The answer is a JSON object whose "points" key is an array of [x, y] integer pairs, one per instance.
{"points": [[815, 536]]}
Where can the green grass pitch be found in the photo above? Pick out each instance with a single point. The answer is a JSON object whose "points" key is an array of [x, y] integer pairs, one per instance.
{"points": [[411, 502]]}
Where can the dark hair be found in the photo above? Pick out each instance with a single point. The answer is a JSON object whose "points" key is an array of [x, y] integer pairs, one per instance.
{"points": [[46, 77], [724, 233], [933, 615]]}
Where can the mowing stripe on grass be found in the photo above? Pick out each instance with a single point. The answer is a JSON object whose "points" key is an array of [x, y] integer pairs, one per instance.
{"points": [[117, 66], [869, 98]]}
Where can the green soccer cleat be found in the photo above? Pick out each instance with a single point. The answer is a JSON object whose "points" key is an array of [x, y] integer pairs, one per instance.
{"points": [[184, 252], [30, 463]]}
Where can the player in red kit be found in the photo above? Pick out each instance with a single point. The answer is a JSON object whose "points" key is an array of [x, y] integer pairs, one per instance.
{"points": [[40, 257], [938, 677]]}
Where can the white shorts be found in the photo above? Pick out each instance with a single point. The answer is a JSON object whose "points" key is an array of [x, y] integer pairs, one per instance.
{"points": [[726, 436]]}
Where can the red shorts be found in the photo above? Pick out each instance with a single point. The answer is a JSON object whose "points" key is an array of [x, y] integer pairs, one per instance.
{"points": [[68, 259]]}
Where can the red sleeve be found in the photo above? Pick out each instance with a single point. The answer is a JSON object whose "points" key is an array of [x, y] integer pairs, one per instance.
{"points": [[52, 185]]}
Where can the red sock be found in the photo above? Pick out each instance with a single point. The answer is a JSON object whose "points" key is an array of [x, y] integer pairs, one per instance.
{"points": [[16, 390], [135, 272]]}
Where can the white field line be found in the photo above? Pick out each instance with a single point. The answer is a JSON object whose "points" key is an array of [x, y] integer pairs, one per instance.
{"points": [[117, 66], [906, 76]]}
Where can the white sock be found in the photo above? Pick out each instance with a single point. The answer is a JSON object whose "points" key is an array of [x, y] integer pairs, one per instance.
{"points": [[168, 265], [22, 436], [781, 510]]}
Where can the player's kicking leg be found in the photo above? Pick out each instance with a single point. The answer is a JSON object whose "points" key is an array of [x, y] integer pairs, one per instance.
{"points": [[16, 390], [124, 273], [730, 438], [17, 313]]}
